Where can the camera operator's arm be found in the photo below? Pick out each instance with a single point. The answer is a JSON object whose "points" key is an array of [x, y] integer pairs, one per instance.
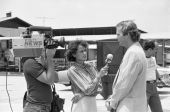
{"points": [[63, 76], [49, 76]]}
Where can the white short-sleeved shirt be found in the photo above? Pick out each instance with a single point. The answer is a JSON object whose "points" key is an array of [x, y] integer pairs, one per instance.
{"points": [[151, 69]]}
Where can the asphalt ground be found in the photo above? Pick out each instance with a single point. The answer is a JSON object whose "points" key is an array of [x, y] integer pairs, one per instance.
{"points": [[16, 86]]}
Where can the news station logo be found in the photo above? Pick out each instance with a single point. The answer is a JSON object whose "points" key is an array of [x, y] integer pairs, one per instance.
{"points": [[27, 43]]}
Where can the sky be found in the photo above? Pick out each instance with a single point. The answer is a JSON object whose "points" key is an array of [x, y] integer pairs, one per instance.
{"points": [[149, 15]]}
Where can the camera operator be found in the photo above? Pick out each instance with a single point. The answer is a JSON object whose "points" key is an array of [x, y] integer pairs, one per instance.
{"points": [[39, 76]]}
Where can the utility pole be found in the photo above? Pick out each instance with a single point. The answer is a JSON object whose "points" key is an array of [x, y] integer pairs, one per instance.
{"points": [[44, 19]]}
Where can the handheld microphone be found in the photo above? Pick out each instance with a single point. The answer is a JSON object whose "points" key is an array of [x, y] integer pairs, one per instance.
{"points": [[108, 60]]}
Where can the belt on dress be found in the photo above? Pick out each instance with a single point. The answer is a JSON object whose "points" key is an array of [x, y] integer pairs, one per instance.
{"points": [[151, 81]]}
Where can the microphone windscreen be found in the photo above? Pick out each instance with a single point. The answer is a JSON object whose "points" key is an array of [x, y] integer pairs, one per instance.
{"points": [[110, 56]]}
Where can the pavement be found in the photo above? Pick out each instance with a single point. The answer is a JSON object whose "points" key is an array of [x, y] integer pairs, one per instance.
{"points": [[16, 86]]}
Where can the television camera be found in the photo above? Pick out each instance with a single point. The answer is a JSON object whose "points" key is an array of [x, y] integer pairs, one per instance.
{"points": [[31, 45]]}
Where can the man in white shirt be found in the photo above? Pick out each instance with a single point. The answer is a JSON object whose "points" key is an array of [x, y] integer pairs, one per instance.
{"points": [[151, 76], [129, 86]]}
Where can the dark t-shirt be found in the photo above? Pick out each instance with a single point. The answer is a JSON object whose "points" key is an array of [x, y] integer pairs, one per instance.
{"points": [[38, 92]]}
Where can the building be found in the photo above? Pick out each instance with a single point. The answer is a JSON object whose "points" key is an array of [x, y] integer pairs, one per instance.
{"points": [[10, 27]]}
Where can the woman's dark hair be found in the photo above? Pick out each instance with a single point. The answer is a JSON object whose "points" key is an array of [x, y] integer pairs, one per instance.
{"points": [[128, 27], [73, 47], [149, 45]]}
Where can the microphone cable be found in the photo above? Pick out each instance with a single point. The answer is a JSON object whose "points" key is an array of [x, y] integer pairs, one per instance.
{"points": [[6, 85]]}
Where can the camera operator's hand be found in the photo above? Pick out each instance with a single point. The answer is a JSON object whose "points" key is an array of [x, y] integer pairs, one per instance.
{"points": [[50, 53], [49, 43], [49, 58]]}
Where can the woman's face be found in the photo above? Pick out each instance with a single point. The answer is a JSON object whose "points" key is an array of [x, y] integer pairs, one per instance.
{"points": [[81, 54]]}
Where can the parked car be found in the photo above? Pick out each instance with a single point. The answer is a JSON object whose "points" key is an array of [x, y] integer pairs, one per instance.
{"points": [[165, 77]]}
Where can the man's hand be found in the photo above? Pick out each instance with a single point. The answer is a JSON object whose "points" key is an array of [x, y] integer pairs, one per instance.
{"points": [[108, 106], [113, 110]]}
